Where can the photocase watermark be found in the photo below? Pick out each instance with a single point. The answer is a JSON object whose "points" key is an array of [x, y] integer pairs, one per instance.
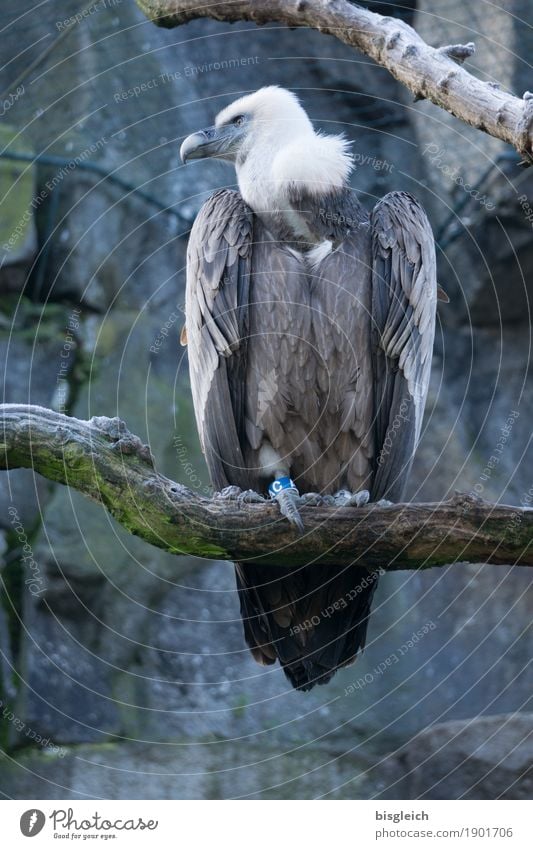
{"points": [[328, 217], [517, 518], [66, 820], [86, 13], [20, 725], [32, 822], [11, 99], [91, 149], [392, 430], [50, 184], [391, 660], [340, 604], [163, 332], [70, 826], [187, 72], [526, 207], [372, 162], [70, 344], [436, 155], [182, 454], [223, 65], [495, 457], [33, 580]]}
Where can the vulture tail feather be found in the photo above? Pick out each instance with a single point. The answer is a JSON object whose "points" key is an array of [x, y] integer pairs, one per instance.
{"points": [[311, 622]]}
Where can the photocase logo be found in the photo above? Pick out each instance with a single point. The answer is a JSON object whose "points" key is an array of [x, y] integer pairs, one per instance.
{"points": [[32, 822]]}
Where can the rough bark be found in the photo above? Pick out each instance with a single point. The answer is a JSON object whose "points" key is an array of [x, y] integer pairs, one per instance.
{"points": [[103, 460], [428, 72]]}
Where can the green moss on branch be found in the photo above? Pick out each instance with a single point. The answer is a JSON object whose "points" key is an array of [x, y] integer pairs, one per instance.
{"points": [[104, 461]]}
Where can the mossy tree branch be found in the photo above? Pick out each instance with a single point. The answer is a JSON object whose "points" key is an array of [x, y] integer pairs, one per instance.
{"points": [[428, 72], [103, 460]]}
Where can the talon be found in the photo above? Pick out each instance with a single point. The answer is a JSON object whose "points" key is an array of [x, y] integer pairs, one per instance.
{"points": [[250, 496], [311, 499], [359, 499], [384, 502], [344, 498], [229, 493]]}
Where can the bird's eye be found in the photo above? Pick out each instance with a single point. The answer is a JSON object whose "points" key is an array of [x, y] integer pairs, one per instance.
{"points": [[238, 121]]}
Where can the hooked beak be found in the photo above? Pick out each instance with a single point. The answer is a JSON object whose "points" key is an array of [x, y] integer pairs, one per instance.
{"points": [[219, 142]]}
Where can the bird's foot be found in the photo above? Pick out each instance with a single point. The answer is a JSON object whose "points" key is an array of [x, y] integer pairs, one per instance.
{"points": [[344, 498], [311, 499], [286, 494], [384, 502], [250, 496], [235, 493], [229, 493]]}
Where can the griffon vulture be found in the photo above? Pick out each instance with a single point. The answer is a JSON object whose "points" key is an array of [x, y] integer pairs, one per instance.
{"points": [[310, 325]]}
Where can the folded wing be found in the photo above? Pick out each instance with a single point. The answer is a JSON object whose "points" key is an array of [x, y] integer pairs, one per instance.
{"points": [[404, 297]]}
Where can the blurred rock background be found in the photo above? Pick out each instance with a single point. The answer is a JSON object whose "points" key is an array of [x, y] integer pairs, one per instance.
{"points": [[124, 672]]}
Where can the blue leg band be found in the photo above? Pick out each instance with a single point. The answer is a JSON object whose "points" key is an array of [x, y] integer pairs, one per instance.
{"points": [[282, 485]]}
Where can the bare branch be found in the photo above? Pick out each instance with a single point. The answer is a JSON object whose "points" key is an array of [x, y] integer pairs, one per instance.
{"points": [[101, 459], [428, 72]]}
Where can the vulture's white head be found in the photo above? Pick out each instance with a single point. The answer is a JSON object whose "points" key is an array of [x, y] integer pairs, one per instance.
{"points": [[271, 141]]}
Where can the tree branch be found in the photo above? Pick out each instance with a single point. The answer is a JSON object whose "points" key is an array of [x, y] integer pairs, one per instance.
{"points": [[428, 72], [103, 460]]}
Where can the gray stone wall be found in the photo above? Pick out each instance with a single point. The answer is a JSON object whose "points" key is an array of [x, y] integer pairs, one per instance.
{"points": [[126, 656]]}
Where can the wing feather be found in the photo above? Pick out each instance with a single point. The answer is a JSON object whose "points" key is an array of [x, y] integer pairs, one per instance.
{"points": [[404, 297], [218, 280]]}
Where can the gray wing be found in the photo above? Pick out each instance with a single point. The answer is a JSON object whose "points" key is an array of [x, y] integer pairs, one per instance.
{"points": [[404, 296], [218, 280]]}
